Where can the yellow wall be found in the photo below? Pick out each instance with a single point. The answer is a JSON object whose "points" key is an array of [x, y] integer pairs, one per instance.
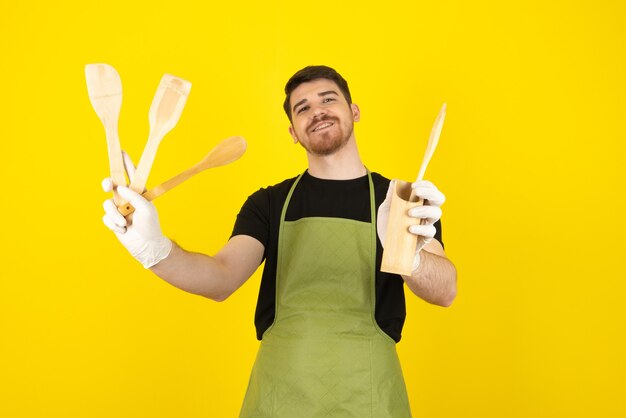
{"points": [[531, 159]]}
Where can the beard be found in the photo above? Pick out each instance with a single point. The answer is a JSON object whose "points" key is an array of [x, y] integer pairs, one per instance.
{"points": [[329, 141]]}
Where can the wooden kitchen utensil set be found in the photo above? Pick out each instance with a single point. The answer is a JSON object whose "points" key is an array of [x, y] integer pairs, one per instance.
{"points": [[105, 92]]}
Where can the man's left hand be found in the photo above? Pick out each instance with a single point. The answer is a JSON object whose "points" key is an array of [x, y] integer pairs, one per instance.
{"points": [[425, 215]]}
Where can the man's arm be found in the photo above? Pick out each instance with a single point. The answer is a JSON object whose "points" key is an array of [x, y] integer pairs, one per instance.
{"points": [[434, 280], [214, 277]]}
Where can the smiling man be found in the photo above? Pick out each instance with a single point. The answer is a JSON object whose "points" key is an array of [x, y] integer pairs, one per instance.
{"points": [[327, 317], [328, 133]]}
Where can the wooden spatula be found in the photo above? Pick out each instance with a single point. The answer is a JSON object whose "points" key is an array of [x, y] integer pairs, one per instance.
{"points": [[227, 151], [433, 140], [167, 105], [105, 93]]}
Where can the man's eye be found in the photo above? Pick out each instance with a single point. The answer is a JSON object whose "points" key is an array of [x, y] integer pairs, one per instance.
{"points": [[329, 99], [303, 108]]}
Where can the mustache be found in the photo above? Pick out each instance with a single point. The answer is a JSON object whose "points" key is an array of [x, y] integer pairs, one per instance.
{"points": [[324, 118]]}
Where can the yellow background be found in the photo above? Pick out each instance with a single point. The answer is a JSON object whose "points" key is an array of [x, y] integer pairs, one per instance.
{"points": [[531, 160]]}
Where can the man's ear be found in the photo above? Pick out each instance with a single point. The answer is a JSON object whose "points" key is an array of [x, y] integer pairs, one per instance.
{"points": [[293, 134], [356, 112]]}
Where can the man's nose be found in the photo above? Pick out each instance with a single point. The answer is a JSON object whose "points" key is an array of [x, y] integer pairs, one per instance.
{"points": [[318, 111]]}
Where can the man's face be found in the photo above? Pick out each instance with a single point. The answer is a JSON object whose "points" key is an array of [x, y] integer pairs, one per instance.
{"points": [[322, 119]]}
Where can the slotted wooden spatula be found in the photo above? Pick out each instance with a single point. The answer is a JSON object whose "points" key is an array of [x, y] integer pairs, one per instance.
{"points": [[227, 151], [167, 106], [105, 93]]}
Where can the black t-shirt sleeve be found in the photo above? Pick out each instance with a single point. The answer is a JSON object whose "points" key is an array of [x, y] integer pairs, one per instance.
{"points": [[254, 217], [439, 233]]}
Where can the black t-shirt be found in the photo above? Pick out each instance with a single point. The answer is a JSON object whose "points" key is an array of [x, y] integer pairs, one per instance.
{"points": [[349, 199]]}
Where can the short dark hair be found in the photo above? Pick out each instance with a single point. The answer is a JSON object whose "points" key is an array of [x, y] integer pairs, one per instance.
{"points": [[310, 73]]}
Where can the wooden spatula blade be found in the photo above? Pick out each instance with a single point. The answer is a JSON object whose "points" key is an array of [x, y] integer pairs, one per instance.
{"points": [[168, 103], [104, 87], [433, 140], [102, 80], [167, 106]]}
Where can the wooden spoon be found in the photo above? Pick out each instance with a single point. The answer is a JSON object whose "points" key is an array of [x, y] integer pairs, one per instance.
{"points": [[227, 151], [167, 106], [105, 93], [433, 140]]}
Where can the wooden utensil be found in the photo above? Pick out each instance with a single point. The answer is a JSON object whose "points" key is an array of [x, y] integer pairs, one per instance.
{"points": [[433, 140], [400, 244], [225, 152], [105, 93], [167, 106]]}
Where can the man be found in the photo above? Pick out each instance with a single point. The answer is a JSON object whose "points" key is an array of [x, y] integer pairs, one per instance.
{"points": [[328, 318]]}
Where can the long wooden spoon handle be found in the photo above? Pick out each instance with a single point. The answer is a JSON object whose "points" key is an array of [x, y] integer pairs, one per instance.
{"points": [[126, 208], [138, 183], [433, 140], [227, 151], [171, 183], [116, 163]]}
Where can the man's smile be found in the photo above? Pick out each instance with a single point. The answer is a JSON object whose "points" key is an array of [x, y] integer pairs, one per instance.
{"points": [[322, 125]]}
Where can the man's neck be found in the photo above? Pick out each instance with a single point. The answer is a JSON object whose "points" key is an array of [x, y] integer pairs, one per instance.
{"points": [[344, 164]]}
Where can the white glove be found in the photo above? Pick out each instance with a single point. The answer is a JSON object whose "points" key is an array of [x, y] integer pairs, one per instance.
{"points": [[427, 214], [143, 237]]}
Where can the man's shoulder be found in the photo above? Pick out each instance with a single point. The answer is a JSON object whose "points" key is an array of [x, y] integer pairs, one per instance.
{"points": [[285, 184], [381, 184], [274, 191], [378, 178]]}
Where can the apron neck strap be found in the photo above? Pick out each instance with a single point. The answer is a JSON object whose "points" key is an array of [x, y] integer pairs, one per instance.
{"points": [[372, 200]]}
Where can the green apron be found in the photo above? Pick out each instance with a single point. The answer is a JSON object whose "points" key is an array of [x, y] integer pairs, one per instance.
{"points": [[324, 355]]}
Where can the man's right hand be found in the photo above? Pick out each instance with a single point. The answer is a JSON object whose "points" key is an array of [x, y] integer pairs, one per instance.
{"points": [[142, 237], [215, 277]]}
